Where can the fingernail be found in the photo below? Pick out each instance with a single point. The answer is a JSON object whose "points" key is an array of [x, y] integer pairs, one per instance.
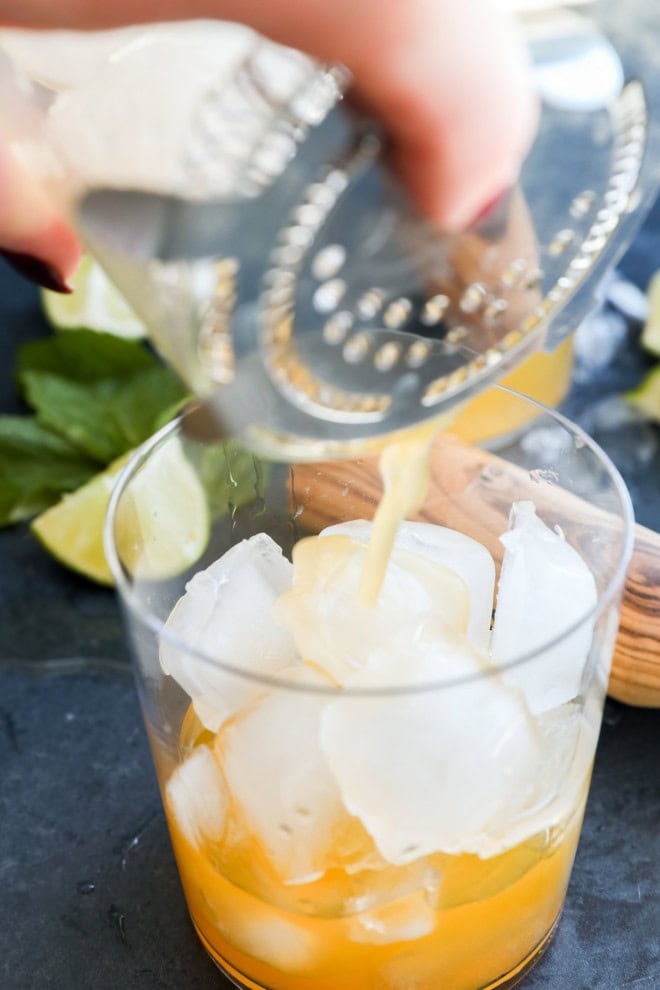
{"points": [[36, 270], [491, 222]]}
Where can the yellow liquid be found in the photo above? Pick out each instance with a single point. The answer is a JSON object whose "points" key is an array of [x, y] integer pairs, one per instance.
{"points": [[544, 377], [483, 920]]}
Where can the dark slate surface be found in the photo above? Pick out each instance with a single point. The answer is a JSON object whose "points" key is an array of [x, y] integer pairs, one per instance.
{"points": [[90, 898]]}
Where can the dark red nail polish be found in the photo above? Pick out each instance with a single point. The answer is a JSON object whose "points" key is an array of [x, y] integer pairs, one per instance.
{"points": [[491, 221], [36, 270]]}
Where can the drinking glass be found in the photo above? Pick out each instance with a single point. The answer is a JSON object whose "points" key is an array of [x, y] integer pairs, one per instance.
{"points": [[414, 824]]}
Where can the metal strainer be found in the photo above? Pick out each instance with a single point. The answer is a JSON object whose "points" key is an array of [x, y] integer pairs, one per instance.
{"points": [[368, 319]]}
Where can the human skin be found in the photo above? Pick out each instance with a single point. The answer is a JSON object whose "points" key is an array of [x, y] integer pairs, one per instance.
{"points": [[448, 79]]}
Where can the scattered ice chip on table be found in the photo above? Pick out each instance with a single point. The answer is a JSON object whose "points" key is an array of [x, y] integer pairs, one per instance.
{"points": [[430, 770], [333, 630], [227, 613], [545, 587], [468, 558], [279, 781], [197, 797]]}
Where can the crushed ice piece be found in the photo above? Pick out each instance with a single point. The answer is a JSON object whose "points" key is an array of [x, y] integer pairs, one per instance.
{"points": [[197, 797], [227, 613], [430, 770], [545, 587], [333, 630], [402, 921], [279, 781], [468, 558]]}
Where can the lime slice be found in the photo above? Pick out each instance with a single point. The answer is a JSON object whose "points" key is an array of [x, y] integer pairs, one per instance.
{"points": [[72, 529], [94, 303], [650, 338], [646, 397], [162, 523]]}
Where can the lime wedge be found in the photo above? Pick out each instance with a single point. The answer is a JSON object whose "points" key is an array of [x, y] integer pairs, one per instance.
{"points": [[94, 303], [162, 523], [650, 338], [72, 529], [646, 397]]}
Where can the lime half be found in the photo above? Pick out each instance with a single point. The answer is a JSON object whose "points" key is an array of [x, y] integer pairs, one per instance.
{"points": [[94, 303]]}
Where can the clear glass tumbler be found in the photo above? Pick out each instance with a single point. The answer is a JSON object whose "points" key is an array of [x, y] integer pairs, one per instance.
{"points": [[365, 797]]}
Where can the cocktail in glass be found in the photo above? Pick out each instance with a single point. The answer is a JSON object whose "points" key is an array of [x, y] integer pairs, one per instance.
{"points": [[383, 795]]}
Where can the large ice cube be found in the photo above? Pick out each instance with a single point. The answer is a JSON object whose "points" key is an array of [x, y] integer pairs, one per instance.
{"points": [[545, 587], [429, 770], [197, 797], [468, 558], [227, 613], [279, 781], [333, 630]]}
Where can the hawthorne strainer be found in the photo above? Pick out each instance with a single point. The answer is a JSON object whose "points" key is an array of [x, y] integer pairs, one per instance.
{"points": [[281, 270]]}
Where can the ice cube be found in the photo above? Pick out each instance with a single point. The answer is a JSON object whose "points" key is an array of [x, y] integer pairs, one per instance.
{"points": [[545, 587], [333, 630], [427, 770], [567, 745], [227, 613], [468, 558], [277, 941], [197, 799], [279, 781], [401, 921]]}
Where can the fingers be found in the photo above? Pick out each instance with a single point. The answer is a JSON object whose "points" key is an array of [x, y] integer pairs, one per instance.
{"points": [[448, 79], [455, 95], [34, 239]]}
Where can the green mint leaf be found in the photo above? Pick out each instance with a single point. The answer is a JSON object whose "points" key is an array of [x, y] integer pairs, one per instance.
{"points": [[36, 467], [106, 418], [85, 356], [103, 394], [80, 413], [139, 405]]}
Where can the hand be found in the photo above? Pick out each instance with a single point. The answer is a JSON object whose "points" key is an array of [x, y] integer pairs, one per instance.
{"points": [[448, 79]]}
